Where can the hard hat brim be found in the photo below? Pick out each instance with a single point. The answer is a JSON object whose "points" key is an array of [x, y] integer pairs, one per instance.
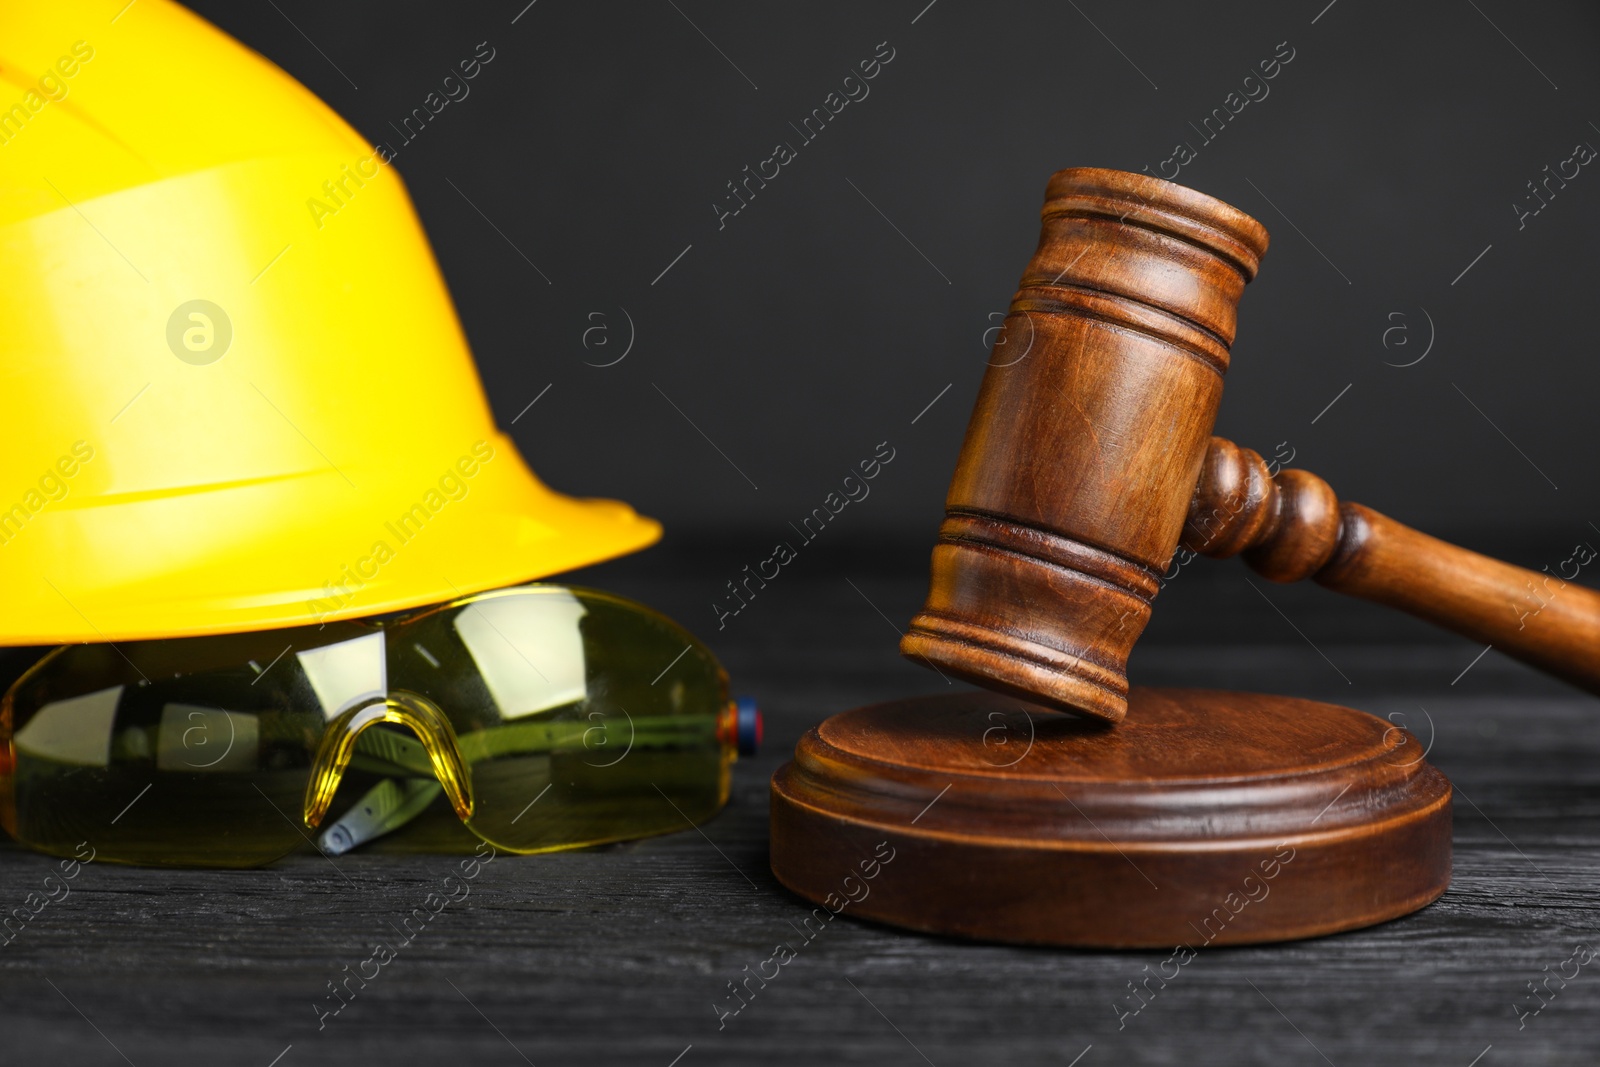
{"points": [[299, 550]]}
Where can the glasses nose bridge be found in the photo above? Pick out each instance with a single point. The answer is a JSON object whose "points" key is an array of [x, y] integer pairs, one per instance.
{"points": [[415, 712]]}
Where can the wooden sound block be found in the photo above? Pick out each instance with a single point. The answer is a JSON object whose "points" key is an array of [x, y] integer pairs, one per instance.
{"points": [[1205, 818]]}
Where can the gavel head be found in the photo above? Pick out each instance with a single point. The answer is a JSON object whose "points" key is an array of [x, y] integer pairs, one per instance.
{"points": [[1087, 440]]}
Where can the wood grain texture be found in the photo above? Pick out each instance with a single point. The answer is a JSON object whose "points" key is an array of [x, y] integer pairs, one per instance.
{"points": [[1291, 526], [1086, 440], [617, 956], [1011, 822], [1086, 459]]}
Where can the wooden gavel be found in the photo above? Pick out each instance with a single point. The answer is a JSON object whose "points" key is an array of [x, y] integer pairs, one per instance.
{"points": [[1089, 457]]}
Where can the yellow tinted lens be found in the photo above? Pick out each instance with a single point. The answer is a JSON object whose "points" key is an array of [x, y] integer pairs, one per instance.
{"points": [[583, 717], [186, 752]]}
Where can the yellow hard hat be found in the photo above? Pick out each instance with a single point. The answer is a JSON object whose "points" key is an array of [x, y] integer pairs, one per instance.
{"points": [[236, 393]]}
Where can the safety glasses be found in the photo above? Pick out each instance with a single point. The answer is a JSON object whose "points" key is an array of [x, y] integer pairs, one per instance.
{"points": [[547, 717]]}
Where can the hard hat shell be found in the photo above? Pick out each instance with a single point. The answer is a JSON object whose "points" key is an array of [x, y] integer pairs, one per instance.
{"points": [[226, 409]]}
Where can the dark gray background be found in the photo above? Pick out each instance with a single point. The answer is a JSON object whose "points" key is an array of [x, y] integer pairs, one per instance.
{"points": [[808, 329]]}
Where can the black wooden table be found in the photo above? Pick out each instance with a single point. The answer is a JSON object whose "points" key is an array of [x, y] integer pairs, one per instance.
{"points": [[619, 955]]}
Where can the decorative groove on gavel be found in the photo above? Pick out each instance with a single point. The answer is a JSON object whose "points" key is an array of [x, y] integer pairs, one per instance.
{"points": [[1086, 439], [1292, 526], [1090, 434]]}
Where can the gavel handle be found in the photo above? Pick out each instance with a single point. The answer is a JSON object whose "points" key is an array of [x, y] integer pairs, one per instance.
{"points": [[1291, 525]]}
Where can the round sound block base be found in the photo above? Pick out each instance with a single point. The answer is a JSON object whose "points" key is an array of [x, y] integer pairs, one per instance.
{"points": [[1204, 818]]}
